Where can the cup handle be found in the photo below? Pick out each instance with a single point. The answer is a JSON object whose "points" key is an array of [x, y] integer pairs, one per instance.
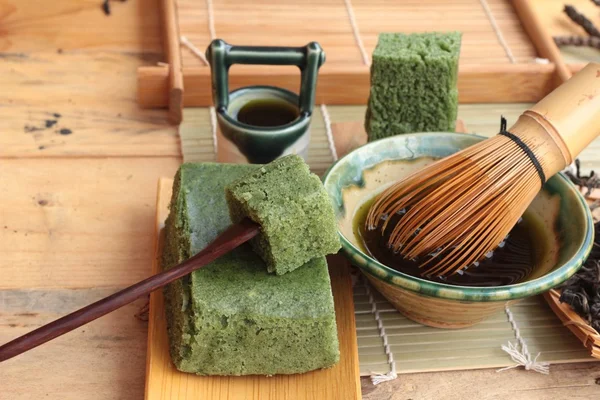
{"points": [[221, 56]]}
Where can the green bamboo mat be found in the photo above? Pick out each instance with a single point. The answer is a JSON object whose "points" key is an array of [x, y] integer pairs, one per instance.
{"points": [[418, 348], [482, 119], [579, 55]]}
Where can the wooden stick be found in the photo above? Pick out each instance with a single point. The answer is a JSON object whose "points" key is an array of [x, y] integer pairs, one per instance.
{"points": [[233, 237], [173, 51], [477, 83], [542, 41]]}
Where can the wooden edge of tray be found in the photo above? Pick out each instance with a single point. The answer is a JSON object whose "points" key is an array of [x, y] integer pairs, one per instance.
{"points": [[163, 86], [173, 90], [165, 382], [477, 83]]}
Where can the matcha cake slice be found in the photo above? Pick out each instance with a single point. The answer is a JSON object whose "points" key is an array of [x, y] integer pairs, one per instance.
{"points": [[293, 209], [232, 317], [413, 84]]}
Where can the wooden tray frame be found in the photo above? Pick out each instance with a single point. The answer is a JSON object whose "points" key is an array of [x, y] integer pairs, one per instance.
{"points": [[163, 85]]}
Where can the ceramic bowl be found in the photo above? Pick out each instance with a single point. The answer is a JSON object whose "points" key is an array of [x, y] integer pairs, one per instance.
{"points": [[559, 211]]}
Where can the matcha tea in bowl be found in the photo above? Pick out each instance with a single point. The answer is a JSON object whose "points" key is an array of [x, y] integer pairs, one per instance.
{"points": [[258, 124], [549, 245]]}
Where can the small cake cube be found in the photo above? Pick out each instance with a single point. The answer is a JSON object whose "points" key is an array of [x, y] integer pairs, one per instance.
{"points": [[413, 84], [293, 209], [232, 317]]}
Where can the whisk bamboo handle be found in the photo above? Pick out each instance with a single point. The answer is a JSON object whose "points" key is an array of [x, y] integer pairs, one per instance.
{"points": [[569, 115]]}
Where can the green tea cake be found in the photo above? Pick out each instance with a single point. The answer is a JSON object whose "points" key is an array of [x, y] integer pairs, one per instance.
{"points": [[413, 84], [232, 317], [294, 210]]}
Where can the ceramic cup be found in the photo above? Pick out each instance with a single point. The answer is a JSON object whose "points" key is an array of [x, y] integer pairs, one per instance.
{"points": [[560, 213], [240, 142]]}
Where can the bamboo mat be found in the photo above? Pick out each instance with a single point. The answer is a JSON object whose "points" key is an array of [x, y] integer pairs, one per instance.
{"points": [[284, 22], [197, 142], [482, 119], [418, 348]]}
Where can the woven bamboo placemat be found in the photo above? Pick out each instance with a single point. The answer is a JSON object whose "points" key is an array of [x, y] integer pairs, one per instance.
{"points": [[417, 348], [334, 23], [381, 330]]}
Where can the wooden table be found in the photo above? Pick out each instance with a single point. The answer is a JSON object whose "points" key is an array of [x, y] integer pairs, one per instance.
{"points": [[79, 163]]}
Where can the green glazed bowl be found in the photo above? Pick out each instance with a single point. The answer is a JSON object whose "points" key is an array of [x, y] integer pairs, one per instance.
{"points": [[563, 221]]}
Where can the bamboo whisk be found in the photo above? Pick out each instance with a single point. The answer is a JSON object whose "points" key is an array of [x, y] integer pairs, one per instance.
{"points": [[459, 209]]}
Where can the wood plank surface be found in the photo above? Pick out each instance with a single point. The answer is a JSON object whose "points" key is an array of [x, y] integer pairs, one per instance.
{"points": [[103, 360], [78, 223], [78, 104], [569, 381], [28, 26], [165, 382], [97, 71]]}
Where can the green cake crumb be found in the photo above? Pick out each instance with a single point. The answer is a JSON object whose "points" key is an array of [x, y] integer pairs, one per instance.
{"points": [[413, 84], [293, 209], [232, 317]]}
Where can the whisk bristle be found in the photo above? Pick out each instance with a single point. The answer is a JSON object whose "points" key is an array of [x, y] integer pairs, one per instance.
{"points": [[460, 208]]}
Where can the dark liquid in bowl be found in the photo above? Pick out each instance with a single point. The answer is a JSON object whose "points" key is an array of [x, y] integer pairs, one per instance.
{"points": [[267, 112], [509, 264]]}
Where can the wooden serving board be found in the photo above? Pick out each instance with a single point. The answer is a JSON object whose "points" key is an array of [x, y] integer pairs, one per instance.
{"points": [[165, 382]]}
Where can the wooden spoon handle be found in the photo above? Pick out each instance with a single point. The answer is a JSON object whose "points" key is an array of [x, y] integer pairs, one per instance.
{"points": [[233, 237]]}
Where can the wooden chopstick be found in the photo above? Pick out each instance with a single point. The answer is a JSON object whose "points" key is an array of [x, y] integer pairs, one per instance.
{"points": [[231, 238]]}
